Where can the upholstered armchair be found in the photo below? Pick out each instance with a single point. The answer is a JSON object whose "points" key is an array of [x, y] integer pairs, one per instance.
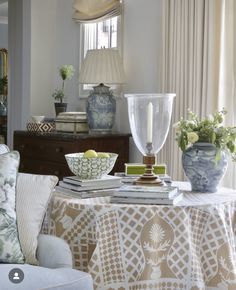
{"points": [[47, 260]]}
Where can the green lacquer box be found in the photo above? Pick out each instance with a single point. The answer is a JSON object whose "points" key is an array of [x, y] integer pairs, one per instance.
{"points": [[138, 168]]}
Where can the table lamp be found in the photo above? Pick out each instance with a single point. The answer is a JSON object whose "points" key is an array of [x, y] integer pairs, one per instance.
{"points": [[149, 118], [101, 66]]}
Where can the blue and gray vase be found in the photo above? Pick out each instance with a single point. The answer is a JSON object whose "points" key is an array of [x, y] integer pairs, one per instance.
{"points": [[101, 109], [202, 169]]}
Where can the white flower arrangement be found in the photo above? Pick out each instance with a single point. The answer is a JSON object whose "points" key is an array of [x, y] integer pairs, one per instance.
{"points": [[209, 130]]}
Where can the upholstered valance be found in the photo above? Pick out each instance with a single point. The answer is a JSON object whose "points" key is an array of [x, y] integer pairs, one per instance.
{"points": [[95, 10]]}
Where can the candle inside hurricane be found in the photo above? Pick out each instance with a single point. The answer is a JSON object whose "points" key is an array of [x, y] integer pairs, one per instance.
{"points": [[149, 122], [149, 118]]}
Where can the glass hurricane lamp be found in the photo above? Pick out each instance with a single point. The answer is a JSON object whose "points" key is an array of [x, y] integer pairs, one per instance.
{"points": [[149, 118]]}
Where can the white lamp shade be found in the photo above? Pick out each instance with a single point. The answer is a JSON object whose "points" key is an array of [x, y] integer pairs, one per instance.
{"points": [[102, 66]]}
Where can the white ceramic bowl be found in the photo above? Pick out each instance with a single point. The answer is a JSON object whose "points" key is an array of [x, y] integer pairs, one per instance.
{"points": [[37, 119], [90, 168]]}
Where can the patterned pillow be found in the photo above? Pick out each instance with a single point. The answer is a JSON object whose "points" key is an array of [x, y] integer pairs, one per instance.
{"points": [[10, 249]]}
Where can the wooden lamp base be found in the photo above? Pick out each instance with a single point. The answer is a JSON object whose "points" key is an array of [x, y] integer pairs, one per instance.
{"points": [[148, 178]]}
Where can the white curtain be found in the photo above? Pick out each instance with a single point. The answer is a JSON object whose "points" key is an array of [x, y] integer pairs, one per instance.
{"points": [[95, 10], [192, 64], [227, 93]]}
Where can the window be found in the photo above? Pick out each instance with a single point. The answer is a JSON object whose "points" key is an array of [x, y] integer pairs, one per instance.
{"points": [[99, 35]]}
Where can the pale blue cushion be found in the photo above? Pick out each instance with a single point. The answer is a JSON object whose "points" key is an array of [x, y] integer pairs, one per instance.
{"points": [[53, 252], [36, 278]]}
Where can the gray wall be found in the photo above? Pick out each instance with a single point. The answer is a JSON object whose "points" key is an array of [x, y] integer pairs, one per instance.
{"points": [[55, 41], [51, 38], [3, 35], [19, 47]]}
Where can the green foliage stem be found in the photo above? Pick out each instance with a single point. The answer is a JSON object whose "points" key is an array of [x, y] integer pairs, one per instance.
{"points": [[66, 72]]}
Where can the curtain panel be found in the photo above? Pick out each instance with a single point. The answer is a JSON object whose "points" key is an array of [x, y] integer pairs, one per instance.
{"points": [[193, 36], [96, 10], [227, 93]]}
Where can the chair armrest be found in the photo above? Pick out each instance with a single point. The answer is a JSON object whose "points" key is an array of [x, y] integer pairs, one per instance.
{"points": [[53, 252]]}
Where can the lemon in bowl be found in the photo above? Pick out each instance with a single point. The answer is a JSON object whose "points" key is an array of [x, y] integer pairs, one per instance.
{"points": [[91, 164]]}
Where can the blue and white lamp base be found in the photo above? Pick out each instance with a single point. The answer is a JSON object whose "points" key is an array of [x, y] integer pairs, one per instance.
{"points": [[101, 110]]}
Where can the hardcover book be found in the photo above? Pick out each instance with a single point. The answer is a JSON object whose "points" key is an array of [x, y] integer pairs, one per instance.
{"points": [[89, 187], [73, 182], [138, 168], [107, 179], [104, 179], [142, 191], [83, 194], [143, 200], [132, 178]]}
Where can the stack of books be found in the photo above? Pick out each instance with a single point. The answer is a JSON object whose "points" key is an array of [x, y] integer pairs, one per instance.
{"points": [[85, 188], [130, 179], [74, 122], [141, 194]]}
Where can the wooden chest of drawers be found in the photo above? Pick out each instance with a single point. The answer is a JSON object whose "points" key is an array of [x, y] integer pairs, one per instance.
{"points": [[43, 153]]}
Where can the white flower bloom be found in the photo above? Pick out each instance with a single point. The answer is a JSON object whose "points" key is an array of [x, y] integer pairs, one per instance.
{"points": [[192, 137], [210, 118], [191, 123]]}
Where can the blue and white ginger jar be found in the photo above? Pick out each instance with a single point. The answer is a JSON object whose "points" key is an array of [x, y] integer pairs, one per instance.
{"points": [[201, 167]]}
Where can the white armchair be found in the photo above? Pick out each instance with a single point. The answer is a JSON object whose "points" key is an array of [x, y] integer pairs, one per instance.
{"points": [[54, 270]]}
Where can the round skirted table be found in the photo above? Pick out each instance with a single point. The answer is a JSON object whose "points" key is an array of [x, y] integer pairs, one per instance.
{"points": [[188, 246]]}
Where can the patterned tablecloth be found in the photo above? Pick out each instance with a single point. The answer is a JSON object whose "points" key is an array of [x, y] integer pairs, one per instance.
{"points": [[190, 246]]}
